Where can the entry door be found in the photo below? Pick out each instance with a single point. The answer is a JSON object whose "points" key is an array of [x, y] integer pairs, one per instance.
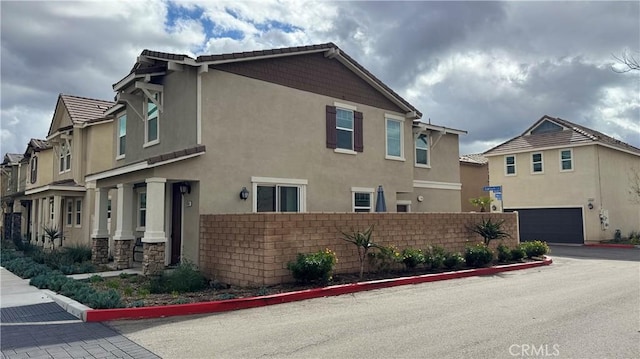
{"points": [[176, 224]]}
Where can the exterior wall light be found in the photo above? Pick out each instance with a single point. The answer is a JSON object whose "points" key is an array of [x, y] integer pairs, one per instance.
{"points": [[185, 188], [244, 193], [590, 205]]}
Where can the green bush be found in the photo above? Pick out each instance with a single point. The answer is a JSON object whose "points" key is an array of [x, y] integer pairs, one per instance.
{"points": [[412, 257], [504, 253], [535, 248], [453, 260], [386, 258], [77, 253], [518, 253], [104, 300], [185, 278], [313, 267], [434, 257], [478, 256]]}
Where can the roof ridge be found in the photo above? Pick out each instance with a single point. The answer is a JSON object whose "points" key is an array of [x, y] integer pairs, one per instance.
{"points": [[84, 98]]}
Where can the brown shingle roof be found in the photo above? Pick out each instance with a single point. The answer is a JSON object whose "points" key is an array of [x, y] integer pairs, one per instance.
{"points": [[573, 134], [39, 145], [475, 158], [12, 158], [82, 109]]}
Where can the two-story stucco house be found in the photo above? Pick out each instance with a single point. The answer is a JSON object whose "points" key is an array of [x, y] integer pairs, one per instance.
{"points": [[78, 142], [14, 203], [569, 183], [303, 129]]}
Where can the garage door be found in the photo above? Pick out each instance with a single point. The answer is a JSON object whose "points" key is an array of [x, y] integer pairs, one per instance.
{"points": [[552, 225]]}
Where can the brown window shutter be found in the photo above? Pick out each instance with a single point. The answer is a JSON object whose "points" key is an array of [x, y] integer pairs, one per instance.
{"points": [[332, 134], [358, 142]]}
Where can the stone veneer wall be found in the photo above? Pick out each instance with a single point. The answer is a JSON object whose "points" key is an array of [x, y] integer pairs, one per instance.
{"points": [[153, 258], [100, 250], [253, 249], [123, 255]]}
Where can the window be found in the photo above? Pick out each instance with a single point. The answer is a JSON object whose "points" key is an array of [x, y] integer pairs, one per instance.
{"points": [[395, 137], [362, 199], [566, 160], [51, 208], [69, 213], [279, 194], [403, 206], [510, 165], [65, 156], [344, 128], [34, 169], [142, 210], [109, 209], [78, 212], [536, 162], [422, 150], [152, 120], [122, 135]]}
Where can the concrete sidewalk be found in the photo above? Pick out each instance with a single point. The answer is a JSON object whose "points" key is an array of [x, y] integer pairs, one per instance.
{"points": [[32, 325]]}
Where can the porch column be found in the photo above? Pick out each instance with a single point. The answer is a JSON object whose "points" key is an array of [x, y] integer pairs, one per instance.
{"points": [[57, 217], [100, 234], [35, 204], [154, 240], [123, 237], [16, 220]]}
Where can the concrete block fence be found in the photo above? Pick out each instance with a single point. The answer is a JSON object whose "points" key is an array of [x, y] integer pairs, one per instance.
{"points": [[254, 249]]}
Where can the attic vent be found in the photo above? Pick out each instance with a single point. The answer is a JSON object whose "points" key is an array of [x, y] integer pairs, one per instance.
{"points": [[580, 131]]}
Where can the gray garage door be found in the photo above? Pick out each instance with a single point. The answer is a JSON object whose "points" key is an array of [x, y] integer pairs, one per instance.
{"points": [[552, 225]]}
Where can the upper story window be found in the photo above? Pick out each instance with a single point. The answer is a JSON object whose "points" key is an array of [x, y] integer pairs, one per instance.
{"points": [[34, 169], [142, 211], [536, 162], [279, 194], [122, 135], [394, 137], [152, 120], [510, 165], [422, 150], [566, 160], [344, 128], [65, 156], [69, 212], [362, 199], [78, 212]]}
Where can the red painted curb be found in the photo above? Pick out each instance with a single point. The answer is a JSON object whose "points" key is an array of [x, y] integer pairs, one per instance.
{"points": [[610, 245], [99, 315]]}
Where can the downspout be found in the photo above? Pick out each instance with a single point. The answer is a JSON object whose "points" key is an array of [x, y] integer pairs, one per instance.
{"points": [[202, 69]]}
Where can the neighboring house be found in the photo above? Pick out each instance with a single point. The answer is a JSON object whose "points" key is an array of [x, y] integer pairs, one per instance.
{"points": [[303, 129], [569, 183], [78, 142], [474, 175], [13, 200]]}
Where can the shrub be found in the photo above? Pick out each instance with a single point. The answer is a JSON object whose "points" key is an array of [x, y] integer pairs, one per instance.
{"points": [[312, 267], [96, 278], [104, 300], [386, 258], [535, 248], [489, 230], [78, 253], [434, 257], [518, 253], [362, 240], [478, 256], [185, 278], [412, 257], [504, 253], [453, 260]]}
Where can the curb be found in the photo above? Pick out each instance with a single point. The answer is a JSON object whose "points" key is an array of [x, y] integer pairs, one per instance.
{"points": [[99, 315], [611, 245], [76, 308]]}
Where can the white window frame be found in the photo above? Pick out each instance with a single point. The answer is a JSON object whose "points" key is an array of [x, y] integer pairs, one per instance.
{"points": [[52, 209], [506, 166], [428, 149], [139, 210], [570, 159], [366, 190], [400, 120], [533, 171], [352, 109], [148, 143], [403, 202], [301, 184], [78, 212], [121, 154], [69, 212], [64, 159], [33, 170]]}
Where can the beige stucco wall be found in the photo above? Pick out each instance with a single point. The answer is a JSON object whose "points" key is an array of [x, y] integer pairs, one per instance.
{"points": [[599, 176], [473, 177], [45, 169], [98, 146]]}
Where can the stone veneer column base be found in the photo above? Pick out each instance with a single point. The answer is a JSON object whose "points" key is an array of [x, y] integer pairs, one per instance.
{"points": [[123, 255], [100, 250], [153, 260]]}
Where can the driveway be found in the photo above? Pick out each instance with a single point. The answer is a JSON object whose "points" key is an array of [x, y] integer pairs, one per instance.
{"points": [[584, 305]]}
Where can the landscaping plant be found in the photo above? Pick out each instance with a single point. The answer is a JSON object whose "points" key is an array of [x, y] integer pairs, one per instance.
{"points": [[518, 253], [52, 233], [481, 202], [386, 258], [453, 260], [185, 278], [362, 240], [504, 253], [434, 256], [478, 256], [535, 248], [313, 267], [489, 230], [412, 257]]}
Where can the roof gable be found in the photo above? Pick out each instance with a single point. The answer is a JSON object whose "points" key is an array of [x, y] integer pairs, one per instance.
{"points": [[72, 110], [544, 133]]}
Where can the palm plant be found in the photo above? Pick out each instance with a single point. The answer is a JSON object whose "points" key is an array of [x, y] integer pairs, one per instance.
{"points": [[362, 240], [489, 230], [52, 233]]}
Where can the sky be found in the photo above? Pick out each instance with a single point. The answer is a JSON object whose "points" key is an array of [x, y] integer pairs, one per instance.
{"points": [[489, 68]]}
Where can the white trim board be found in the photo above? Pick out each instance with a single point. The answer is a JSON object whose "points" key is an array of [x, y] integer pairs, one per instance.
{"points": [[437, 185]]}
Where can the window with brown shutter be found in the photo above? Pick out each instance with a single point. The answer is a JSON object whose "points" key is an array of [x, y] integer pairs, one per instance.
{"points": [[344, 128], [331, 127], [358, 141]]}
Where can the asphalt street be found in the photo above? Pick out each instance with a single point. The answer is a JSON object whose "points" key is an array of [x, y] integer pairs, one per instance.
{"points": [[585, 305]]}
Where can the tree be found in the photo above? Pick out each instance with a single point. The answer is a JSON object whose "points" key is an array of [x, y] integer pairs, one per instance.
{"points": [[482, 202], [362, 240], [628, 62]]}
